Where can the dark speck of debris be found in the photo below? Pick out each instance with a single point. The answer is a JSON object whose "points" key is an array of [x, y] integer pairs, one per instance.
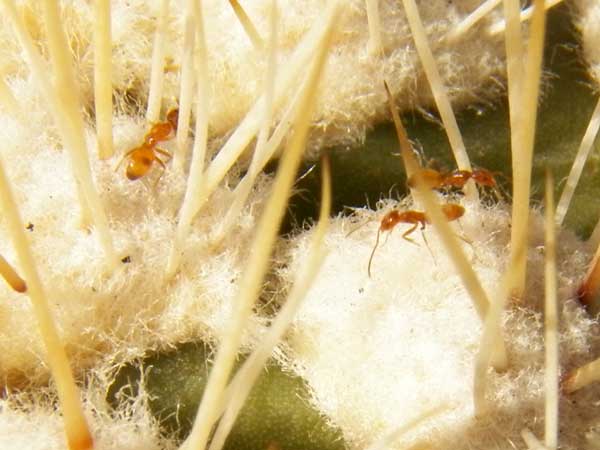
{"points": [[126, 260], [29, 226]]}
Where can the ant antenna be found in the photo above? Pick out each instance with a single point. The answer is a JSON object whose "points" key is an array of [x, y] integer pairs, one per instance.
{"points": [[373, 252], [359, 227]]}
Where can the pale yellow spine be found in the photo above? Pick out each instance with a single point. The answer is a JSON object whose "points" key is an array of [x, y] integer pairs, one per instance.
{"points": [[550, 322], [103, 78], [76, 428], [260, 252], [439, 93]]}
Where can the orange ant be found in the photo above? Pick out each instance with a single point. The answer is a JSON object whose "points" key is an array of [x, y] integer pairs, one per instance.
{"points": [[452, 211], [141, 158], [434, 179]]}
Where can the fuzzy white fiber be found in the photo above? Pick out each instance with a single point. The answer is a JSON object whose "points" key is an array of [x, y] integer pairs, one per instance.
{"points": [[351, 96], [135, 309], [381, 352], [30, 422], [119, 316], [588, 22], [376, 352]]}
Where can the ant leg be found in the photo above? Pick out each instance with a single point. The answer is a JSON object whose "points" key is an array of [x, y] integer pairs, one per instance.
{"points": [[410, 231], [164, 153], [498, 193], [162, 165], [373, 253], [130, 152], [459, 224], [465, 239], [461, 236], [146, 184]]}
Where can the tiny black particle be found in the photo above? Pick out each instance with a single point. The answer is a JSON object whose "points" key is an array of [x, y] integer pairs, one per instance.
{"points": [[29, 226], [126, 260]]}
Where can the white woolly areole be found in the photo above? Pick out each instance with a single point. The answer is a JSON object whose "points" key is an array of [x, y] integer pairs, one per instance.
{"points": [[119, 316], [380, 352], [351, 97], [31, 422], [588, 22]]}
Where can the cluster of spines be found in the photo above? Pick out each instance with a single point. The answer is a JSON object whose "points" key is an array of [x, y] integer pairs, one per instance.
{"points": [[523, 81]]}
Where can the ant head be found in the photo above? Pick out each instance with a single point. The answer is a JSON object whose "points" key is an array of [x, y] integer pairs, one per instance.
{"points": [[484, 177], [389, 221], [457, 178], [173, 117]]}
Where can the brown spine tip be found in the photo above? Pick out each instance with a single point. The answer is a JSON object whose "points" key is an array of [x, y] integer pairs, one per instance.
{"points": [[566, 385], [583, 296], [587, 293], [84, 441], [11, 276], [173, 117], [21, 286], [580, 377]]}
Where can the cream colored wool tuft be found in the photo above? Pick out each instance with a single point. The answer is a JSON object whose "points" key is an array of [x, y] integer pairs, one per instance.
{"points": [[588, 23], [351, 97], [104, 317], [30, 422], [379, 352]]}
